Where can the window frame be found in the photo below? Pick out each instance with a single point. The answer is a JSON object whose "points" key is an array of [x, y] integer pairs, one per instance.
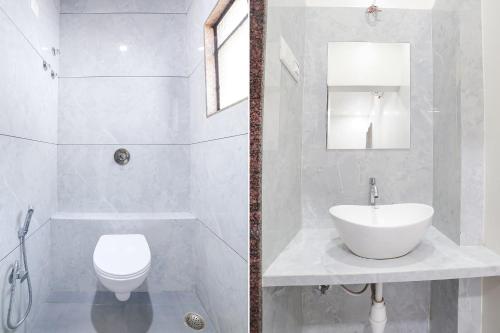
{"points": [[212, 86]]}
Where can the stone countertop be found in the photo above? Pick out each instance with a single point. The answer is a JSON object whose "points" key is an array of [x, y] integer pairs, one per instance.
{"points": [[319, 257]]}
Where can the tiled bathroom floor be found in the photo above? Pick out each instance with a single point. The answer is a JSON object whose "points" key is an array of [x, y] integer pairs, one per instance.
{"points": [[102, 313]]}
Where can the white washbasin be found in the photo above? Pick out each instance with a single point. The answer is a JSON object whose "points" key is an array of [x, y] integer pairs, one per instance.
{"points": [[387, 231]]}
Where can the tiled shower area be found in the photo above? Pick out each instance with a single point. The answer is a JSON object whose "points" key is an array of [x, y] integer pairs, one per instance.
{"points": [[79, 80]]}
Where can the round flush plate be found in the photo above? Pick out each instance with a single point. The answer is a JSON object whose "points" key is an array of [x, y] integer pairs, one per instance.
{"points": [[122, 156]]}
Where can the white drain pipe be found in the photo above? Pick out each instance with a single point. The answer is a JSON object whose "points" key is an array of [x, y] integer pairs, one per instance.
{"points": [[378, 313]]}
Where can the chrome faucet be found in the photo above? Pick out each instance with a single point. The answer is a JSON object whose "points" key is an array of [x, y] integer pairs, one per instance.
{"points": [[373, 192]]}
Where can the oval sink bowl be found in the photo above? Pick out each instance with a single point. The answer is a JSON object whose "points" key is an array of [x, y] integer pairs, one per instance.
{"points": [[384, 232]]}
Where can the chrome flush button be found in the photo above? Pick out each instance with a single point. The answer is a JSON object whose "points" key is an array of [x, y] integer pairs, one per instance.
{"points": [[122, 156]]}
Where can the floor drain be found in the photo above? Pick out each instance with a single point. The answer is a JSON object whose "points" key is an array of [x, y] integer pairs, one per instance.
{"points": [[195, 321]]}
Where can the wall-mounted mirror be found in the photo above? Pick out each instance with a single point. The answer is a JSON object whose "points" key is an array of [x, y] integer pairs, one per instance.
{"points": [[368, 95]]}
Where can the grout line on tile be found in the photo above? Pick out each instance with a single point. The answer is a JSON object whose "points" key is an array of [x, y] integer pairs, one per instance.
{"points": [[27, 238], [21, 32], [27, 139], [124, 13], [195, 67], [123, 76], [205, 308], [154, 144], [221, 138], [188, 76], [221, 239], [123, 144]]}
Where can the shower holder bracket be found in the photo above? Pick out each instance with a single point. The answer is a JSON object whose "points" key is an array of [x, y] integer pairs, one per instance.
{"points": [[17, 273]]}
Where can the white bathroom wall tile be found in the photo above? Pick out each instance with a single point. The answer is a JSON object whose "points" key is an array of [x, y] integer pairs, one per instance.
{"points": [[444, 306], [282, 310], [469, 305], [155, 180], [40, 26], [344, 180], [336, 177], [138, 110], [219, 189], [123, 45], [229, 122], [472, 166], [407, 309], [282, 134], [456, 306], [123, 6], [458, 130], [221, 283], [196, 17], [38, 252], [447, 127], [28, 95], [472, 119], [458, 152], [171, 243], [28, 104], [27, 177], [28, 99]]}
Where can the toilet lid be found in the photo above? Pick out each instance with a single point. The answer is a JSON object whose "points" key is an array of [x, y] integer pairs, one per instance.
{"points": [[122, 255]]}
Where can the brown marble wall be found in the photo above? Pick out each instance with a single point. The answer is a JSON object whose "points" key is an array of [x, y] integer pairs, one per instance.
{"points": [[257, 44]]}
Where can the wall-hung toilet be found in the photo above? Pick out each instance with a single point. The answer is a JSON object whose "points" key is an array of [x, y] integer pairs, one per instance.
{"points": [[122, 263]]}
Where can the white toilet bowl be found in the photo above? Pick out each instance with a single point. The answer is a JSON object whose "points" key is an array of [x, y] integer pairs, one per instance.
{"points": [[122, 263]]}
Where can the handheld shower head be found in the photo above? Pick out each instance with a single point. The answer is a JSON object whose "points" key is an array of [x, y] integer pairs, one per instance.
{"points": [[20, 272], [24, 229]]}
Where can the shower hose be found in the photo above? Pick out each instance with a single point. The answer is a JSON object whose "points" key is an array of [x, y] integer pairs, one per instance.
{"points": [[19, 274]]}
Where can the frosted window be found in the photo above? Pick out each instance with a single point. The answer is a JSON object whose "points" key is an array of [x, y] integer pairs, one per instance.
{"points": [[227, 55], [233, 59], [231, 20]]}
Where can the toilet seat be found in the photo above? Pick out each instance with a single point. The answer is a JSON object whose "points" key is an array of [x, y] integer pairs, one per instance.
{"points": [[122, 257], [121, 277]]}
